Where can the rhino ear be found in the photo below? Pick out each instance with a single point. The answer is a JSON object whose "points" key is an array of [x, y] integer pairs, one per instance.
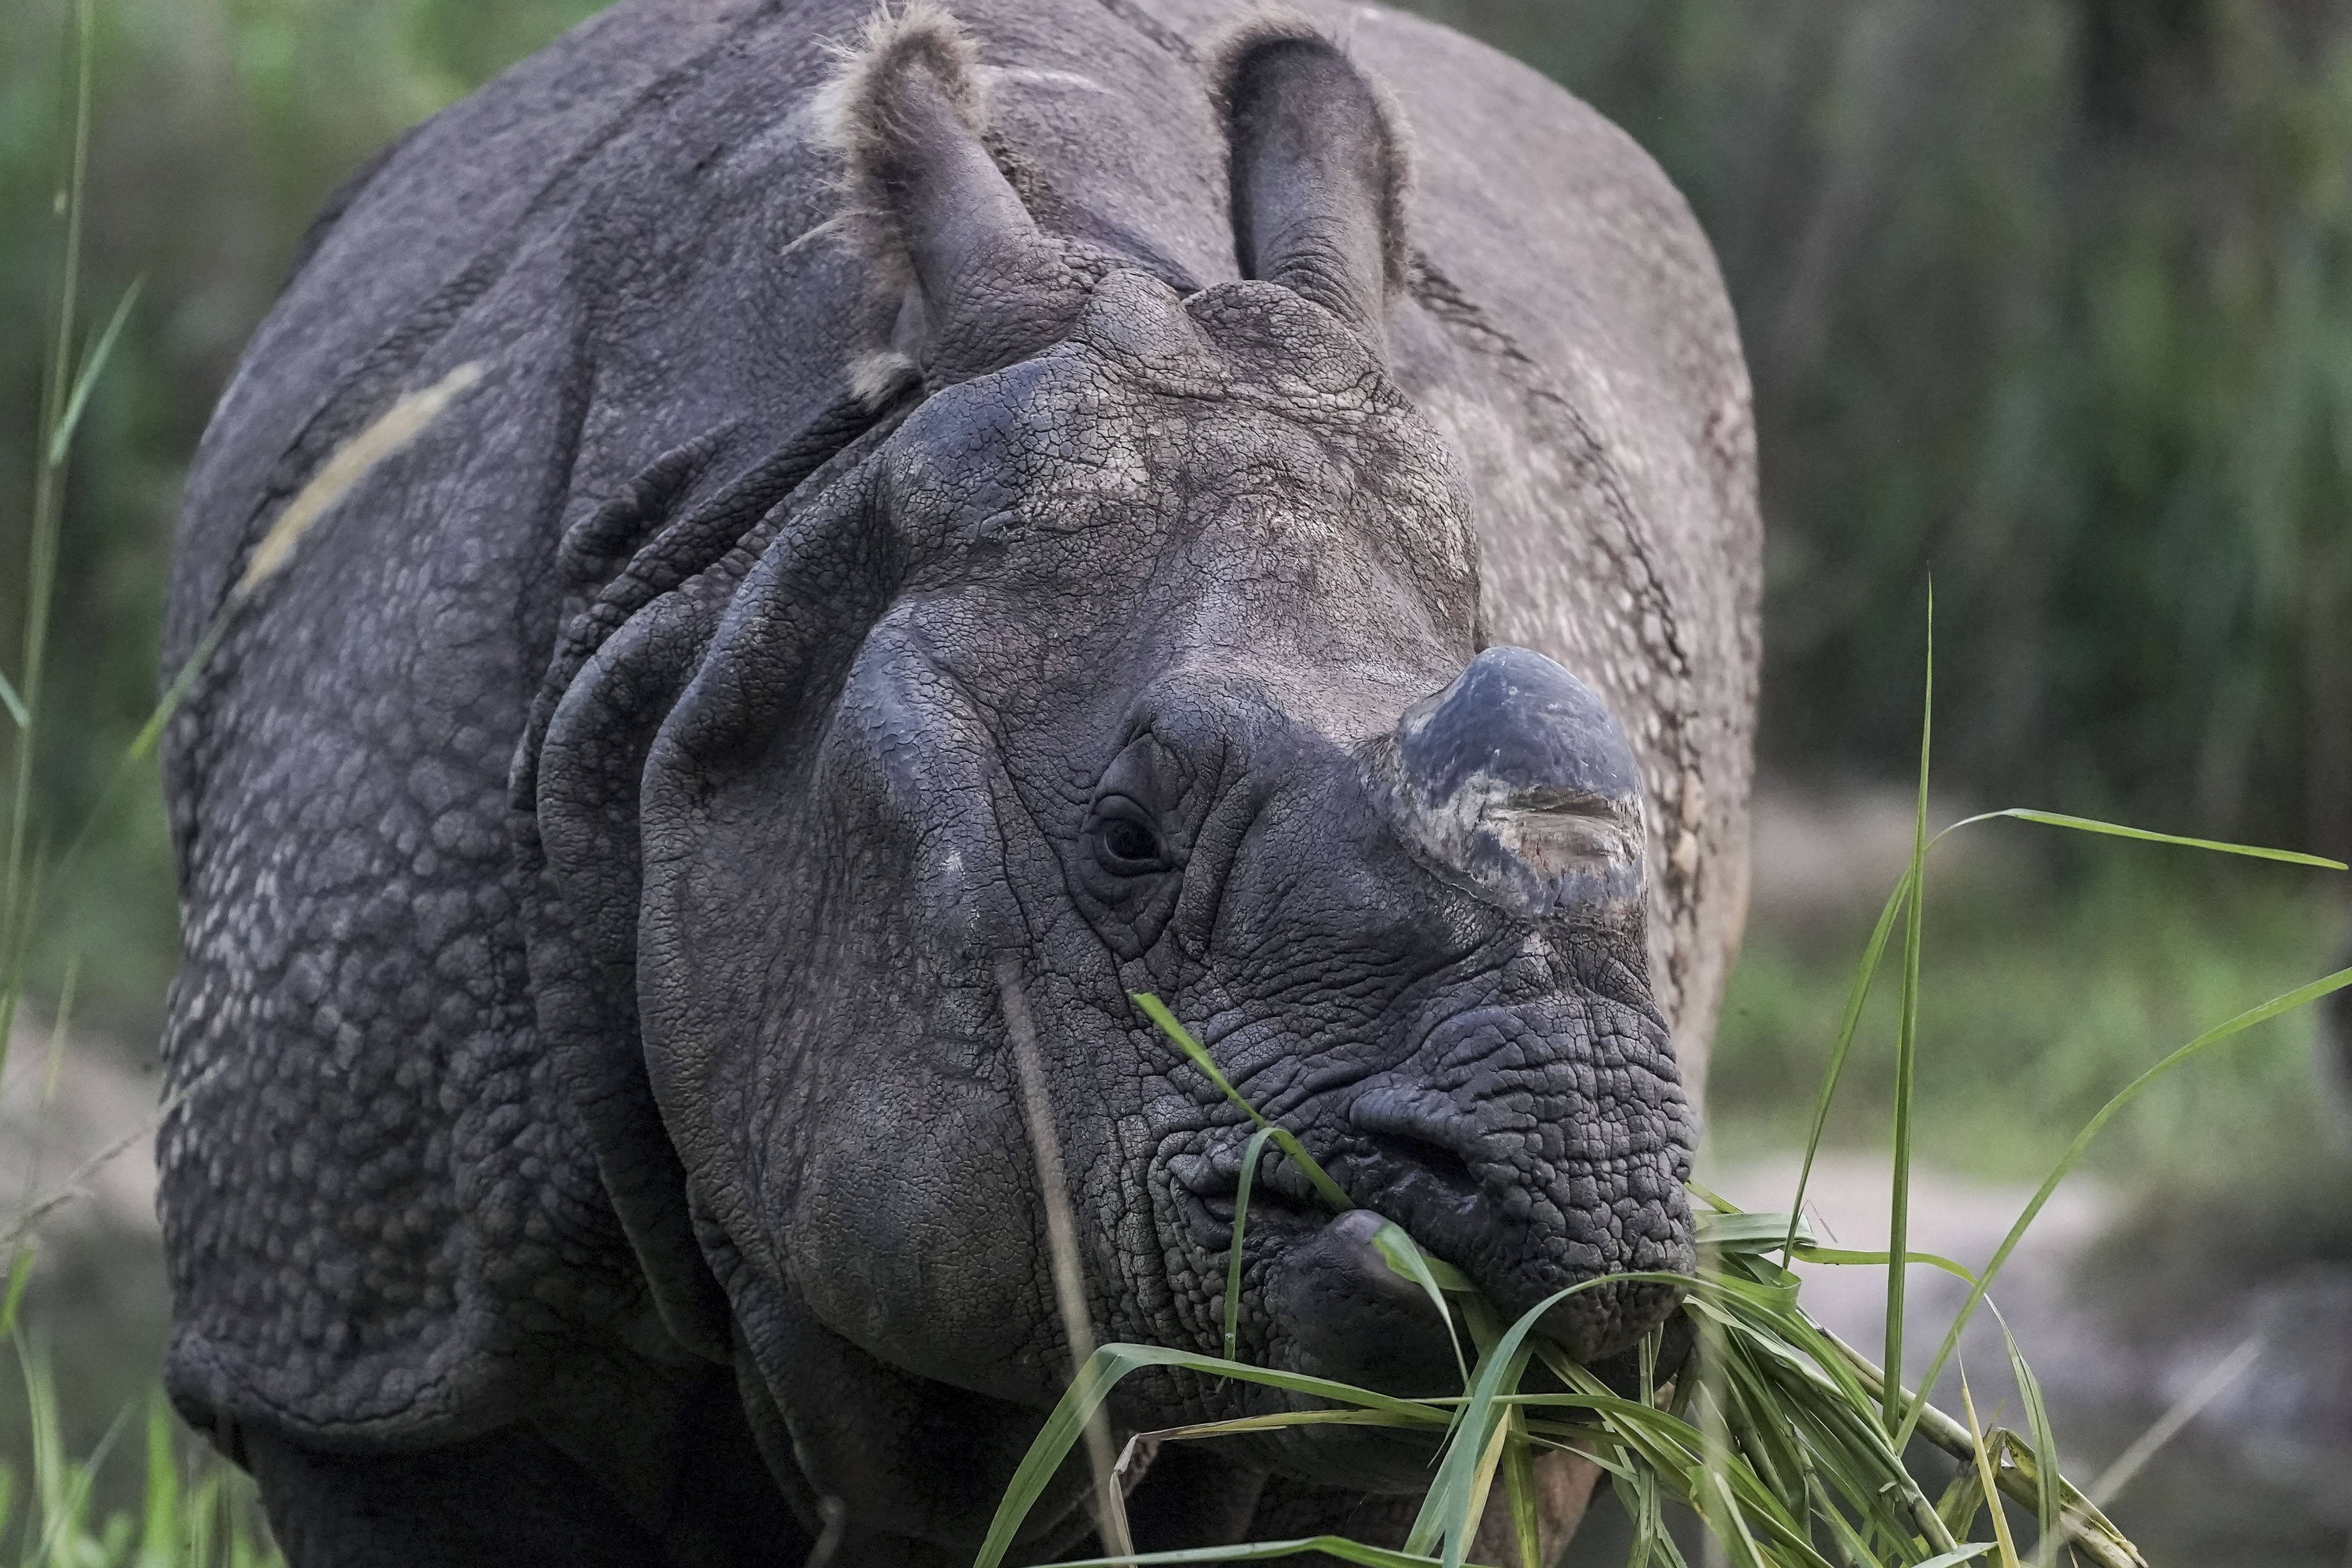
{"points": [[1320, 174], [979, 285]]}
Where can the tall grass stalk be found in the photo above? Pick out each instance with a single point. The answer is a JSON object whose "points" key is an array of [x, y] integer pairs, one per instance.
{"points": [[1907, 1038], [2217, 1382], [1061, 1235], [60, 404]]}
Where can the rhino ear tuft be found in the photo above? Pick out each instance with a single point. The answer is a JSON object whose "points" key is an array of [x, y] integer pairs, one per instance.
{"points": [[1321, 170], [865, 109], [979, 284], [880, 375]]}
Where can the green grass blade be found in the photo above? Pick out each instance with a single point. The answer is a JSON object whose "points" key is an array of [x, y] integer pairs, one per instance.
{"points": [[1519, 1486], [2117, 830], [1906, 1042], [1397, 1247], [1841, 1257], [2168, 1426], [60, 1022], [1472, 1509], [202, 1523], [61, 436], [1156, 1011], [182, 680], [1962, 1501], [1250, 1153], [1729, 1524], [1648, 1523], [20, 1274], [1278, 1422], [14, 704], [1649, 1519], [67, 1504], [1827, 1398], [1856, 996], [1741, 1231], [73, 188], [2301, 997], [2047, 1506], [1448, 1516], [1985, 1481], [1708, 1195], [165, 1515], [1441, 1520], [1853, 1550], [41, 536], [1684, 1454], [1769, 1442]]}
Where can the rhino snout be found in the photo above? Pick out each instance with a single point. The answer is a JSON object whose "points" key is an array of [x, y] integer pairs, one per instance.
{"points": [[1516, 783], [1531, 1186]]}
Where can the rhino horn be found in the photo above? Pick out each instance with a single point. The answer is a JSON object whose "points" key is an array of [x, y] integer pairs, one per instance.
{"points": [[981, 285], [1319, 169], [1516, 782]]}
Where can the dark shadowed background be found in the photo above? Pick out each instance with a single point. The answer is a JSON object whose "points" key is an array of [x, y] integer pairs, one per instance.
{"points": [[2051, 298]]}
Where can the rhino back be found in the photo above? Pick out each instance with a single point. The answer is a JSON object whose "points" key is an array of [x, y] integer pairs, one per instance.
{"points": [[386, 1218]]}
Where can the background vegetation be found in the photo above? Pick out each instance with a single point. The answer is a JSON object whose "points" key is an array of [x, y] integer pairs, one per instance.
{"points": [[2054, 297]]}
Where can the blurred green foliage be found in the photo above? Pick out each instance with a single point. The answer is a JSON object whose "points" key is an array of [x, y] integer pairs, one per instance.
{"points": [[2053, 297], [220, 125], [2039, 1003]]}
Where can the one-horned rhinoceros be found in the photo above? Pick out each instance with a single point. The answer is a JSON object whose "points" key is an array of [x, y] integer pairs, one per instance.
{"points": [[955, 518]]}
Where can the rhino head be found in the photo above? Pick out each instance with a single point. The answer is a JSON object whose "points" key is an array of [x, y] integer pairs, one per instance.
{"points": [[1139, 655]]}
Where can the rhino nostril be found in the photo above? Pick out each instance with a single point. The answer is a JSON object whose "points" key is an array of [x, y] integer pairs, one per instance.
{"points": [[1426, 1158], [1408, 1132]]}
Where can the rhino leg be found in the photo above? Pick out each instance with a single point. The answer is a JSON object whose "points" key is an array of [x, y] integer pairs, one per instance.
{"points": [[1288, 1509], [1190, 1497], [509, 1498], [514, 1499]]}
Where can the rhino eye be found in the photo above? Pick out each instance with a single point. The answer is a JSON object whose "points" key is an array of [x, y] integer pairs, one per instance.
{"points": [[1125, 843]]}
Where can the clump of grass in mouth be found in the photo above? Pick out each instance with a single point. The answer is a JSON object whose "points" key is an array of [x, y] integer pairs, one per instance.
{"points": [[1785, 1441]]}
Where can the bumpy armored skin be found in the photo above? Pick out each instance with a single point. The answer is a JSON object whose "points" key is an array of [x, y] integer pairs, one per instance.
{"points": [[1078, 490]]}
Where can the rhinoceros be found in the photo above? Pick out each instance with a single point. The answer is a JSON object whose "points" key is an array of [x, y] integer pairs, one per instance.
{"points": [[956, 517]]}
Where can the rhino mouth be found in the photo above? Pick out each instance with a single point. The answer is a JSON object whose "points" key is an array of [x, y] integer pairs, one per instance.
{"points": [[1434, 1191], [1332, 1304], [1321, 1297], [1330, 1307]]}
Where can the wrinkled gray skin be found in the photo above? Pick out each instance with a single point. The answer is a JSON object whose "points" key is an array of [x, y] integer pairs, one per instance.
{"points": [[601, 844]]}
